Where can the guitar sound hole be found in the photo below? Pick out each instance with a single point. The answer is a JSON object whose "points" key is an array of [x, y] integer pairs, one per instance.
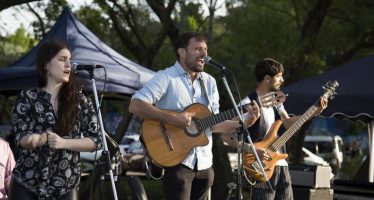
{"points": [[192, 129]]}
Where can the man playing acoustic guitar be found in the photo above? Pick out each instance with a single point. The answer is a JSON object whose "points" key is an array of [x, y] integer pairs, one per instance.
{"points": [[269, 75], [165, 102]]}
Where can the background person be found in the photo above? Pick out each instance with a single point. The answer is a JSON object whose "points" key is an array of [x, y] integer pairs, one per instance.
{"points": [[7, 163]]}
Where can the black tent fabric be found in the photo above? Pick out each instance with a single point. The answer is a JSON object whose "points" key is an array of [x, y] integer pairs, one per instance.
{"points": [[123, 75], [355, 94]]}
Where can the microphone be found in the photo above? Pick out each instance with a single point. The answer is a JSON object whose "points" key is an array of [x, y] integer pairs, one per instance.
{"points": [[210, 61], [77, 67]]}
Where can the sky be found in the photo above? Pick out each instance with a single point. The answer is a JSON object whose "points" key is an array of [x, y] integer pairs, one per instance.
{"points": [[14, 17]]}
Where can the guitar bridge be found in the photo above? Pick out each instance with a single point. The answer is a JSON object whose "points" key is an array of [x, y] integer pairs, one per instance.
{"points": [[257, 167], [166, 137]]}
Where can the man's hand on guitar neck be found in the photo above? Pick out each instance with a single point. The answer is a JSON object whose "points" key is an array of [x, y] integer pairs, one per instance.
{"points": [[252, 114], [323, 102], [280, 96], [271, 99]]}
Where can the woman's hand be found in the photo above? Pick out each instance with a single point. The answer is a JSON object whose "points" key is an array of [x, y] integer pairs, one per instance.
{"points": [[55, 141], [34, 140]]}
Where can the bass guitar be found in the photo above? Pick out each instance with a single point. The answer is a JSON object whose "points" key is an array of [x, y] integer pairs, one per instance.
{"points": [[272, 144]]}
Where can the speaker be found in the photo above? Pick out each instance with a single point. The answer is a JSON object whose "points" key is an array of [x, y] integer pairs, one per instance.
{"points": [[312, 176], [305, 193]]}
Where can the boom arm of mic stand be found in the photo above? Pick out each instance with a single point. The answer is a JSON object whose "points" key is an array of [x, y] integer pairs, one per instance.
{"points": [[105, 152], [241, 121]]}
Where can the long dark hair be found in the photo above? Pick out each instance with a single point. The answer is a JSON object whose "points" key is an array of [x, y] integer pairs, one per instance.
{"points": [[68, 94]]}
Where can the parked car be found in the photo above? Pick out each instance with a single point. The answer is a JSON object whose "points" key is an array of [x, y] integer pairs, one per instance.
{"points": [[126, 142], [330, 148], [312, 159], [134, 158]]}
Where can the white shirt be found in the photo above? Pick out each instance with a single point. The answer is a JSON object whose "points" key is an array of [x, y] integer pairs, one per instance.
{"points": [[173, 89], [267, 118]]}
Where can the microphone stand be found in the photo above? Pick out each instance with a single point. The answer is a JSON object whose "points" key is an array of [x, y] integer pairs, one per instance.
{"points": [[239, 140], [105, 158]]}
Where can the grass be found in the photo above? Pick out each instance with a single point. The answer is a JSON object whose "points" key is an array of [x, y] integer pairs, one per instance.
{"points": [[153, 189]]}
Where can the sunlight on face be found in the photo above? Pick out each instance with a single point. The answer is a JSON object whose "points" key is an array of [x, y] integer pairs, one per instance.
{"points": [[194, 55], [276, 82]]}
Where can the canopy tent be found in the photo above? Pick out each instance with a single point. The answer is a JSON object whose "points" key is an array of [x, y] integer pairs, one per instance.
{"points": [[123, 75], [353, 100]]}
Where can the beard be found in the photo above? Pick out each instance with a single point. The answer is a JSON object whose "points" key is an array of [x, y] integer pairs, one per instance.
{"points": [[197, 68], [275, 88], [193, 66]]}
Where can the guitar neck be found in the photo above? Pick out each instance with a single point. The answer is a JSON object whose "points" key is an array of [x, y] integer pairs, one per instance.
{"points": [[217, 118], [279, 143]]}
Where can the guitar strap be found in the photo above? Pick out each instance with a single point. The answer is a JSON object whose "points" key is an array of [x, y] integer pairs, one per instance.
{"points": [[205, 91]]}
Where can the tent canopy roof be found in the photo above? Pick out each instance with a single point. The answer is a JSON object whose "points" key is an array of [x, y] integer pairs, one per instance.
{"points": [[354, 97], [123, 75]]}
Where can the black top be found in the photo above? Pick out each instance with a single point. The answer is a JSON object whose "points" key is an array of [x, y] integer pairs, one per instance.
{"points": [[47, 172]]}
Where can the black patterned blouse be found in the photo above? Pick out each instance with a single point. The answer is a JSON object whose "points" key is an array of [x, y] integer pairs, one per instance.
{"points": [[49, 173]]}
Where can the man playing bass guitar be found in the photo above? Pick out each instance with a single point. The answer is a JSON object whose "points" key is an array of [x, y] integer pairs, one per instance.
{"points": [[269, 76]]}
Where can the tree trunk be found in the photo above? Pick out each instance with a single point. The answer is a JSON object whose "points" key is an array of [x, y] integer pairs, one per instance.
{"points": [[7, 4]]}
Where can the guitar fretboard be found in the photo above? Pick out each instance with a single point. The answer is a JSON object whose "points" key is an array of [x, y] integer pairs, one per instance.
{"points": [[211, 120], [278, 144]]}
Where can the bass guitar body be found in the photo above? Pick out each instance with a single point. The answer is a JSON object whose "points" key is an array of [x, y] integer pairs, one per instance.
{"points": [[252, 167]]}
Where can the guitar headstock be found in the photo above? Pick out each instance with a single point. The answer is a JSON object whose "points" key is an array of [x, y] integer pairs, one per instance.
{"points": [[268, 100], [330, 89]]}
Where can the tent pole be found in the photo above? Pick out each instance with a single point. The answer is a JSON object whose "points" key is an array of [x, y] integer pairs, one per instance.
{"points": [[371, 151]]}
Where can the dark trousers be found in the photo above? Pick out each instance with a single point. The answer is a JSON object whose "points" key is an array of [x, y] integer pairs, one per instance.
{"points": [[182, 183], [281, 183], [19, 192]]}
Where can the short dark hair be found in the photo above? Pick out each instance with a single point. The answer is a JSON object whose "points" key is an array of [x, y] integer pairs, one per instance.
{"points": [[267, 66], [184, 39]]}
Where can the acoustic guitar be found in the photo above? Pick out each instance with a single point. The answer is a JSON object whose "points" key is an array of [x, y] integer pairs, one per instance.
{"points": [[272, 144], [168, 145]]}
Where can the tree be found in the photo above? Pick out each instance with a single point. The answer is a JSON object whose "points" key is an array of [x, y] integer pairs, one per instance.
{"points": [[142, 35], [308, 37], [7, 4], [14, 45]]}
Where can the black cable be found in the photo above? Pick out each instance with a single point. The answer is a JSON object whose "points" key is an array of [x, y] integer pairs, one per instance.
{"points": [[104, 87]]}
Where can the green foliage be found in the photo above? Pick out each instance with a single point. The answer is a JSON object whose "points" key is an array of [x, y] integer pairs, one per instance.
{"points": [[51, 9], [258, 29], [15, 45], [189, 16], [350, 167], [247, 34]]}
